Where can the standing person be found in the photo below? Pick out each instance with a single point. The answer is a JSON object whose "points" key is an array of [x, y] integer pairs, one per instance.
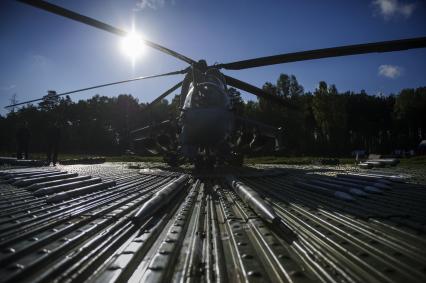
{"points": [[53, 142], [23, 141]]}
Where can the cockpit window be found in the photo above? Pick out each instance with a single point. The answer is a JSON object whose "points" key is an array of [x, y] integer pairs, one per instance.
{"points": [[188, 98], [208, 95], [214, 76]]}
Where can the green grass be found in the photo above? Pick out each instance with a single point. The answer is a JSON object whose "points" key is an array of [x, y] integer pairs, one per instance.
{"points": [[133, 158], [111, 158], [305, 160], [416, 161]]}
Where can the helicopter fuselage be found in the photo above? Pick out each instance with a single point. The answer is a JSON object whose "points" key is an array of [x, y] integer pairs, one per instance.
{"points": [[207, 118], [208, 130]]}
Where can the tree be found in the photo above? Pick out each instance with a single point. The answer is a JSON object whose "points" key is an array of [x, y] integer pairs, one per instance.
{"points": [[13, 100], [410, 116], [325, 122], [329, 110], [50, 101]]}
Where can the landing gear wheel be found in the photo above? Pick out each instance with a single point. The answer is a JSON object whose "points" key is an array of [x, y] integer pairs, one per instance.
{"points": [[198, 163], [237, 159], [202, 163], [171, 160]]}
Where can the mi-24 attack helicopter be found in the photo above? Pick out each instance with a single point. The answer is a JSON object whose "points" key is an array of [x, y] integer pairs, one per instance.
{"points": [[208, 130]]}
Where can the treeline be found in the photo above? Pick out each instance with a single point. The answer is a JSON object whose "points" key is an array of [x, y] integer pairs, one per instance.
{"points": [[327, 122], [324, 122]]}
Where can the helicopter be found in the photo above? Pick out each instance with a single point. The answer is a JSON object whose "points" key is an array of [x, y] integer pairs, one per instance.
{"points": [[208, 131]]}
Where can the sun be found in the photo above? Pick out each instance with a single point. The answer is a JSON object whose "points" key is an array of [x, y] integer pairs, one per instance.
{"points": [[133, 45]]}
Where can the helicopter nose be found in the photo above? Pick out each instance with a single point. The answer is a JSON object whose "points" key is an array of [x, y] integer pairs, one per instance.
{"points": [[205, 126]]}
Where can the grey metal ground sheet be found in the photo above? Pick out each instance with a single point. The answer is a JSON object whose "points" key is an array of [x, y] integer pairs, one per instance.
{"points": [[367, 226]]}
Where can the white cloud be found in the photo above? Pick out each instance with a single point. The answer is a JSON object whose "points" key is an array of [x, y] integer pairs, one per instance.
{"points": [[39, 60], [152, 4], [7, 87], [390, 71], [394, 8]]}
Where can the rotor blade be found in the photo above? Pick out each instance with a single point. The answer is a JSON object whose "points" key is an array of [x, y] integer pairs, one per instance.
{"points": [[254, 90], [384, 46], [98, 24], [166, 93], [149, 128], [99, 86], [175, 87]]}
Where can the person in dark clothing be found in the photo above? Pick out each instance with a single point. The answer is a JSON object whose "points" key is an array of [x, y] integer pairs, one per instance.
{"points": [[23, 140], [53, 141]]}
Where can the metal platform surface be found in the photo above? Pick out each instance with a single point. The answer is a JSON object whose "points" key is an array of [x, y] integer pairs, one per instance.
{"points": [[77, 223]]}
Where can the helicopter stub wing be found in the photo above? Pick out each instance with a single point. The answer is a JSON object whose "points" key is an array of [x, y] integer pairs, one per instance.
{"points": [[148, 130], [264, 129], [155, 138], [261, 132]]}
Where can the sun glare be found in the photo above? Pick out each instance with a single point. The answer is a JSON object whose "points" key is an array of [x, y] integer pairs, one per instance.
{"points": [[133, 45]]}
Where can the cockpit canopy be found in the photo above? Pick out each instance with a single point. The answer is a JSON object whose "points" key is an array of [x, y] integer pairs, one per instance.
{"points": [[211, 93]]}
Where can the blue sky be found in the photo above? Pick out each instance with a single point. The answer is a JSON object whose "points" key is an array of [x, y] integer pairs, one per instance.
{"points": [[41, 51]]}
